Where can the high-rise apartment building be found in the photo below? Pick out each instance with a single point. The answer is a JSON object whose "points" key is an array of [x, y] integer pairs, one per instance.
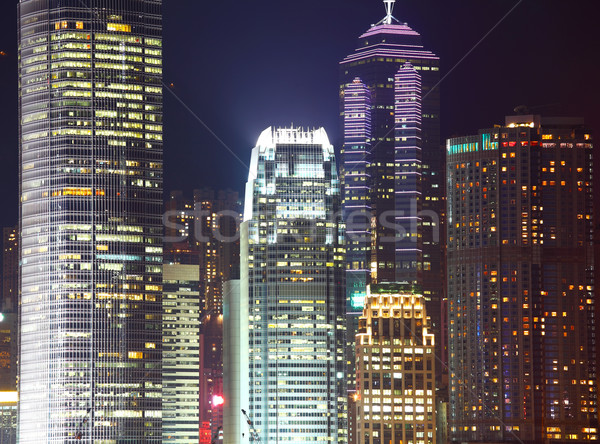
{"points": [[395, 369], [203, 230], [392, 168], [520, 288], [218, 216], [181, 358], [292, 277], [90, 112], [180, 245]]}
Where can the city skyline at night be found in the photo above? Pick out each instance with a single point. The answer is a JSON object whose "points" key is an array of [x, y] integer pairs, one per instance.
{"points": [[408, 267]]}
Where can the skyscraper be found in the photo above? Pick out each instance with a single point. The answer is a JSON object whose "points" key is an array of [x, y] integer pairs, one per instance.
{"points": [[392, 165], [180, 245], [90, 111], [218, 215], [292, 274], [395, 368], [520, 288], [181, 358]]}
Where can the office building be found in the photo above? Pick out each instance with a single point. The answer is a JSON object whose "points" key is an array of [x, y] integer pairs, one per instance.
{"points": [[181, 358], [520, 288], [292, 270], [395, 368], [392, 169], [90, 113]]}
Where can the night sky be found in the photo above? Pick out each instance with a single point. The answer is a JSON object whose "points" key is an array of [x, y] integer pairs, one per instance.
{"points": [[243, 66]]}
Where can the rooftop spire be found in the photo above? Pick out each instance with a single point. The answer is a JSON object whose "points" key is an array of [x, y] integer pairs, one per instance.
{"points": [[389, 8], [389, 18]]}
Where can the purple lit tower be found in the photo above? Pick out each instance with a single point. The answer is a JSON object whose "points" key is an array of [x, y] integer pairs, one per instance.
{"points": [[375, 182], [357, 208], [408, 163]]}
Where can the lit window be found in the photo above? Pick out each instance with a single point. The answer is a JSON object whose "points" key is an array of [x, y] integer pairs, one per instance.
{"points": [[121, 27]]}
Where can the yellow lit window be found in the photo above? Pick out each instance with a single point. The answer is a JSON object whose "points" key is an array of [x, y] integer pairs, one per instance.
{"points": [[79, 25], [135, 355], [121, 27]]}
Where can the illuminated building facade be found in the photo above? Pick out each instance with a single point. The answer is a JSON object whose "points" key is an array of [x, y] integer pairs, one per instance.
{"points": [[292, 277], [520, 288], [218, 216], [90, 112], [180, 242], [395, 369], [392, 168], [8, 322], [204, 231], [8, 416], [211, 369], [181, 358]]}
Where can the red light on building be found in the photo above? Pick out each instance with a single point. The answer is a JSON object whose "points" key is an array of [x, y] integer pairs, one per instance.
{"points": [[218, 401], [205, 434]]}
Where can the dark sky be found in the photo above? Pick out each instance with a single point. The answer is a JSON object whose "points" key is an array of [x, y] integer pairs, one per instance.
{"points": [[241, 66]]}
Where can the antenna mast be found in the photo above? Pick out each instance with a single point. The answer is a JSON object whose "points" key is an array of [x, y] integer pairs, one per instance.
{"points": [[389, 8]]}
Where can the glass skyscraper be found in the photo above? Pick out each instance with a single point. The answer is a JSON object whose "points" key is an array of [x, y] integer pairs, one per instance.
{"points": [[522, 347], [392, 168], [90, 110], [292, 277]]}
